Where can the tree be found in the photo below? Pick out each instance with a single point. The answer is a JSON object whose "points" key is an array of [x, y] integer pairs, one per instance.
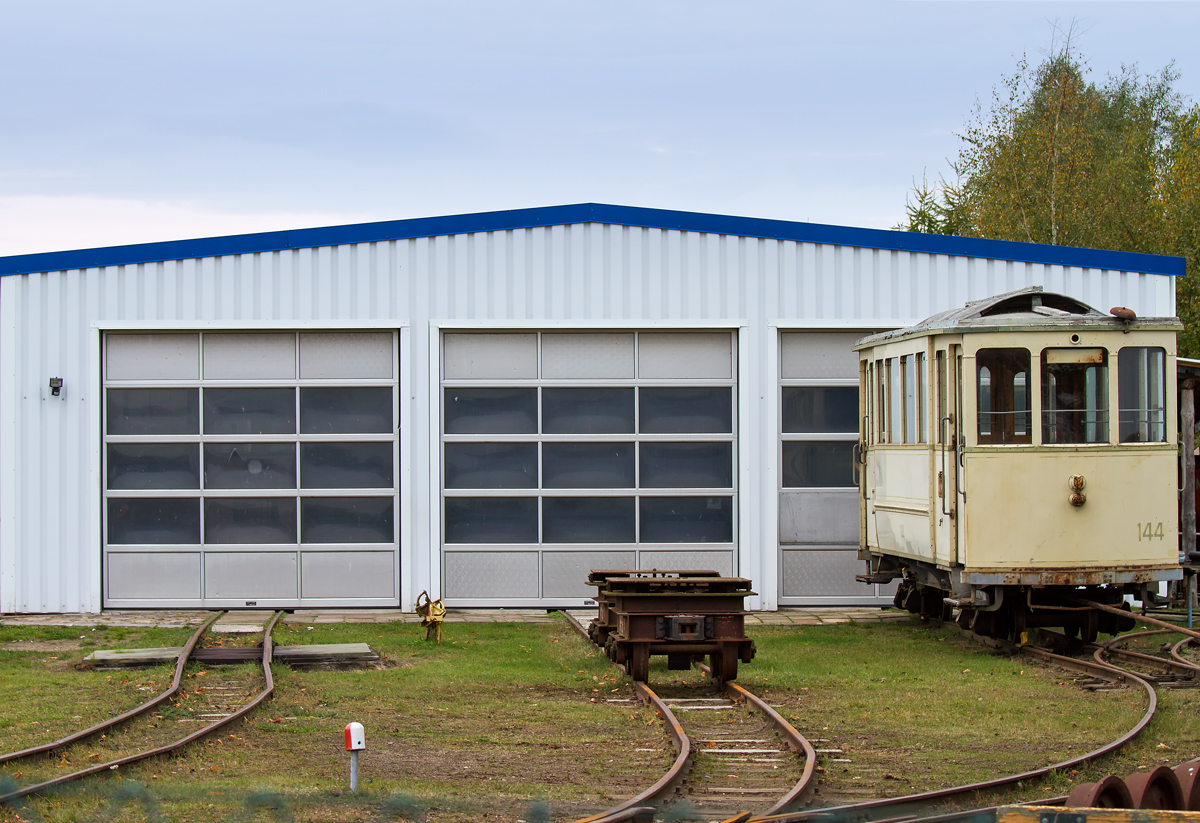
{"points": [[1061, 160], [1181, 218]]}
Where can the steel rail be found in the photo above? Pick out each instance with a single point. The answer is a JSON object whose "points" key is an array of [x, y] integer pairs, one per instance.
{"points": [[898, 806], [909, 806], [153, 702], [669, 782], [1110, 647], [269, 687], [795, 741], [798, 794], [1174, 666], [1177, 653]]}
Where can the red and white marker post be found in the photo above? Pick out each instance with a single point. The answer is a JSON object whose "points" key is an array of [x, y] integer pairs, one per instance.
{"points": [[356, 741]]}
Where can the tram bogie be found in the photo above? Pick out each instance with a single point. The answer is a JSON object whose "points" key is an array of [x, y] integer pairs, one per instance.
{"points": [[1016, 458]]}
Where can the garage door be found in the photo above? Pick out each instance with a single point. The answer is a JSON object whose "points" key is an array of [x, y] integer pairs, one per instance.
{"points": [[564, 452], [247, 469], [818, 498]]}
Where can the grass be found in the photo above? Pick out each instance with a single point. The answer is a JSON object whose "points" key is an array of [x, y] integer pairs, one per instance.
{"points": [[503, 715], [46, 698], [929, 709]]}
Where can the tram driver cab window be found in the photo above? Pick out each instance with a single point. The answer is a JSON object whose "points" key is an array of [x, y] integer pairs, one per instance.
{"points": [[1003, 399], [1141, 391], [1075, 395]]}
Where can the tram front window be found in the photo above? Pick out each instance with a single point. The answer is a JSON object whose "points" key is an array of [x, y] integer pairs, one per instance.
{"points": [[1003, 396], [1075, 396], [1141, 391]]}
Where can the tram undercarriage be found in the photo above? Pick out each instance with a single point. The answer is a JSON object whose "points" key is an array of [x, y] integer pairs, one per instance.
{"points": [[1016, 609]]}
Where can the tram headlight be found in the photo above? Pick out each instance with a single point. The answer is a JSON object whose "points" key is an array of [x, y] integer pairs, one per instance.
{"points": [[1075, 483]]}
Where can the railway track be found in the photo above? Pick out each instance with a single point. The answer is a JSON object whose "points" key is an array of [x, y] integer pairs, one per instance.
{"points": [[199, 702], [752, 742], [1173, 671], [940, 805], [736, 753], [1177, 650]]}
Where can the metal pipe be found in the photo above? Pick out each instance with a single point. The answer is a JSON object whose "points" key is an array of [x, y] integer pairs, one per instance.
{"points": [[1144, 618]]}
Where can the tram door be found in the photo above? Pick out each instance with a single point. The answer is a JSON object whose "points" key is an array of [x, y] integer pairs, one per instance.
{"points": [[958, 428], [948, 404]]}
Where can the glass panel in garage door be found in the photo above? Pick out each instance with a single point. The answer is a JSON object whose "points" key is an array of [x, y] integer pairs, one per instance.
{"points": [[230, 457]]}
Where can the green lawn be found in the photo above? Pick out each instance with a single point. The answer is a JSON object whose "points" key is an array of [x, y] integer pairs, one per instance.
{"points": [[504, 716]]}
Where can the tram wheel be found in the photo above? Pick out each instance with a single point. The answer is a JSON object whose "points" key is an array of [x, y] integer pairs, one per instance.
{"points": [[1091, 626], [1017, 623], [724, 665], [639, 662]]}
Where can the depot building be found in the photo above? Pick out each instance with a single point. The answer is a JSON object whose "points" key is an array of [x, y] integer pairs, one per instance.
{"points": [[481, 406]]}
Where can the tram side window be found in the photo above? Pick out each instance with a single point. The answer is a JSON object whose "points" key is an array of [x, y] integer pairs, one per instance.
{"points": [[895, 398], [881, 404], [922, 401], [940, 361], [1005, 413], [914, 398], [1141, 393], [910, 399], [869, 428], [1075, 396]]}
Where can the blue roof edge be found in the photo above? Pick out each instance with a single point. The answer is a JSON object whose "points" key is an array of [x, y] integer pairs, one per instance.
{"points": [[592, 213]]}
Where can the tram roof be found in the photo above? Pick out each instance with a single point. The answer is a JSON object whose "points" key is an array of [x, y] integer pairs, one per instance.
{"points": [[1030, 307]]}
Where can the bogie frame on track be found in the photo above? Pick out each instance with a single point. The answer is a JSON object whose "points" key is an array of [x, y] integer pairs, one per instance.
{"points": [[684, 615]]}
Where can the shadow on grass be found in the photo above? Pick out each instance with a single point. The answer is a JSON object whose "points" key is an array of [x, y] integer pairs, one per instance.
{"points": [[117, 802]]}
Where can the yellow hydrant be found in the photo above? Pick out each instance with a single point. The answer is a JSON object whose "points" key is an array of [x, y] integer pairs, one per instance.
{"points": [[432, 613]]}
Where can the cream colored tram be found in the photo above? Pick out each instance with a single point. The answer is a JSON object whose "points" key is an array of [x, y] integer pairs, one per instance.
{"points": [[1015, 455]]}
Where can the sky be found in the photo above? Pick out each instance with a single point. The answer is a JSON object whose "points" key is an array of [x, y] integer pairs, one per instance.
{"points": [[127, 122]]}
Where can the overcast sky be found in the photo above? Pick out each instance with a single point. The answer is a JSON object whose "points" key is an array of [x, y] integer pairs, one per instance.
{"points": [[128, 122]]}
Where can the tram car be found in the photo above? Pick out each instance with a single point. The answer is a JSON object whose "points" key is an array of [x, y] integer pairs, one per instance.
{"points": [[1017, 457]]}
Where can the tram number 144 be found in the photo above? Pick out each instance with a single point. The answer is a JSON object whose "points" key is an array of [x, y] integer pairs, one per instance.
{"points": [[1150, 531]]}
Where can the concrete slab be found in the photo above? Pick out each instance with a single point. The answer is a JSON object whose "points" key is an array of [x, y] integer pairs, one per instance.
{"points": [[242, 622], [292, 655], [133, 657]]}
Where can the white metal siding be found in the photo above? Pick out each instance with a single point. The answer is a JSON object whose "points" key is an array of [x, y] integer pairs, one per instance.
{"points": [[587, 275]]}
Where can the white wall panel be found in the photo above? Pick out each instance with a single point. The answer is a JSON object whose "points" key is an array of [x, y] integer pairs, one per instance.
{"points": [[580, 276]]}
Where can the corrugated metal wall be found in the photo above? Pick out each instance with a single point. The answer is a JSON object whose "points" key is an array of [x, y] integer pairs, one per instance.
{"points": [[582, 275]]}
